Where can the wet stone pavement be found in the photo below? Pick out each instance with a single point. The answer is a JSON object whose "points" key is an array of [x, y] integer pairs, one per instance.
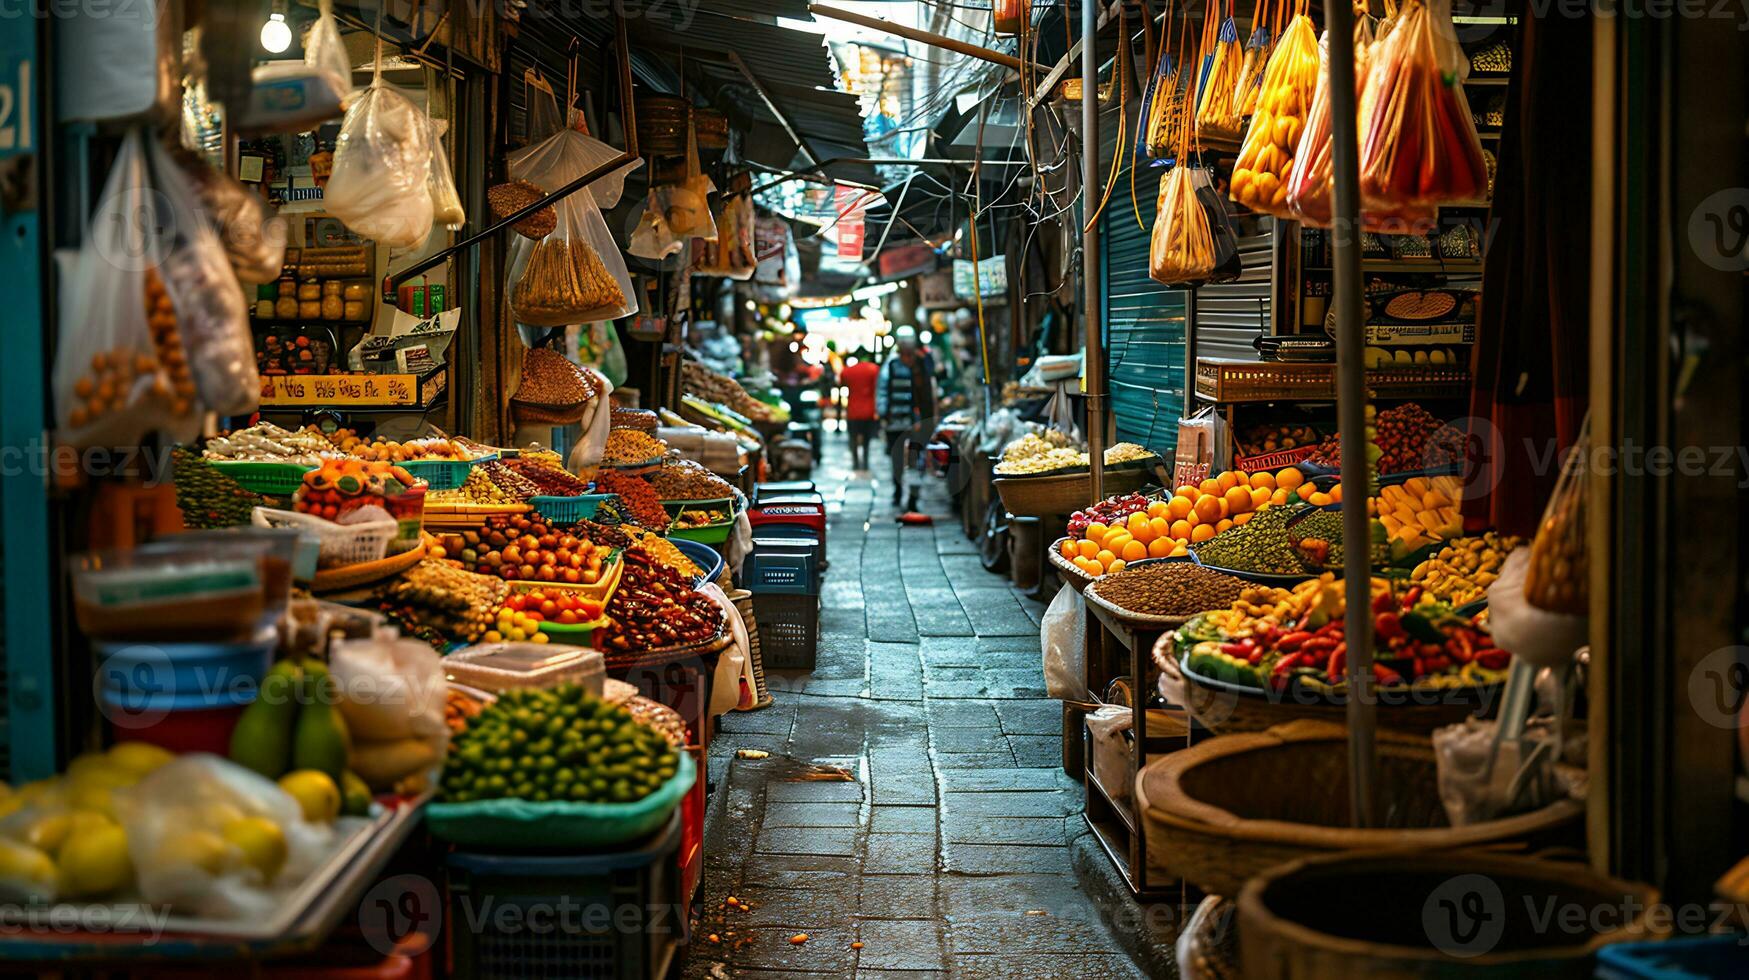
{"points": [[943, 848]]}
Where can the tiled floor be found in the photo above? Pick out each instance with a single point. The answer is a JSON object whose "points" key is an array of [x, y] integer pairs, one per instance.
{"points": [[943, 847]]}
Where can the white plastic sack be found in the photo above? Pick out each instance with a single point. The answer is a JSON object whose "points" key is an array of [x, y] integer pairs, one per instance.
{"points": [[576, 274], [597, 422], [176, 820], [390, 687], [1063, 633], [1537, 636], [1111, 751], [105, 321], [568, 154], [382, 161], [325, 52]]}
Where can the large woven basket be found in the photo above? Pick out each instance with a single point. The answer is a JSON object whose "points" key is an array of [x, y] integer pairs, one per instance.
{"points": [[1048, 496], [1071, 574], [662, 124], [1227, 708], [1223, 811], [1409, 915]]}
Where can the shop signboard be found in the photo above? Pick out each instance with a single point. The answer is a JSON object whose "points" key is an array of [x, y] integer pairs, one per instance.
{"points": [[340, 390], [991, 278], [899, 261], [935, 291]]}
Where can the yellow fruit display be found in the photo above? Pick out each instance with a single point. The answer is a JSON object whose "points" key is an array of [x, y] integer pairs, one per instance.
{"points": [[138, 758], [1266, 158], [315, 792], [29, 873], [1418, 512], [202, 849]]}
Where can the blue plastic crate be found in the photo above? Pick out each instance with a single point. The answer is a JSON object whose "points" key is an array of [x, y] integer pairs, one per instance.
{"points": [[616, 915], [1679, 959]]}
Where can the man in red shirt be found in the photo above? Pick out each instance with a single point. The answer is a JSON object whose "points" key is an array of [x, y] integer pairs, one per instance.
{"points": [[864, 421]]}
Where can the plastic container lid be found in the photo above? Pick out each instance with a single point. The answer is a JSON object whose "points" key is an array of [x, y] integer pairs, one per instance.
{"points": [[503, 666]]}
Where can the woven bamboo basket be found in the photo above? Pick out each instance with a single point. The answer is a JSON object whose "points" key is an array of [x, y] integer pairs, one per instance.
{"points": [[1072, 575], [1048, 496], [712, 128], [662, 124], [624, 660], [1223, 811], [1227, 709], [1403, 915]]}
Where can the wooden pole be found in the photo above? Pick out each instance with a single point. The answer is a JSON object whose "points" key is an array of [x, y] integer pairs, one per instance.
{"points": [[914, 34], [1092, 283]]}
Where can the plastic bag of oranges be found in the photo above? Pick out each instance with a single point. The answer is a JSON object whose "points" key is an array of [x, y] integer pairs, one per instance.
{"points": [[1266, 160]]}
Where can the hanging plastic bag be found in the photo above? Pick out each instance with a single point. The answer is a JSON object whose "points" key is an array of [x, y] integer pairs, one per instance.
{"points": [[1225, 59], [254, 242], [566, 278], [1418, 138], [731, 254], [325, 51], [1228, 264], [446, 203], [1256, 59], [543, 116], [113, 379], [382, 162], [392, 697], [1267, 156], [1181, 249], [210, 313], [653, 239], [1558, 579], [1156, 138], [687, 207], [568, 154], [290, 96], [1063, 634]]}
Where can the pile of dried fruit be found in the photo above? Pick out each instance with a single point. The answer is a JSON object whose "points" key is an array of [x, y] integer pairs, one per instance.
{"points": [[683, 479], [439, 603], [478, 488], [509, 480], [656, 607], [552, 480], [1409, 438], [1169, 588], [1461, 572], [630, 447]]}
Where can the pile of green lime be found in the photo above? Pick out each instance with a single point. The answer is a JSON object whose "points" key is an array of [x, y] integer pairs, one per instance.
{"points": [[553, 744]]}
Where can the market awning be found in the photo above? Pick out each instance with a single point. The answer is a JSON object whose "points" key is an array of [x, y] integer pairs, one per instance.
{"points": [[780, 82]]}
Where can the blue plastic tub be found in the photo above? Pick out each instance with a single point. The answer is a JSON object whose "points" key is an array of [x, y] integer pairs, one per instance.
{"points": [[710, 563], [444, 474], [569, 510], [187, 674], [1700, 958]]}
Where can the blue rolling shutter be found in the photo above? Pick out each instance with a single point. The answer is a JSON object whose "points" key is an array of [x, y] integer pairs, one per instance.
{"points": [[1144, 321]]}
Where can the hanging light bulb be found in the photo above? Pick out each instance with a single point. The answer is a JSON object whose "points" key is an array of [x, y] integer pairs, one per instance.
{"points": [[276, 34]]}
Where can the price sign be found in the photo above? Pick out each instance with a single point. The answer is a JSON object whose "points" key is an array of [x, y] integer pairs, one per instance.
{"points": [[340, 389]]}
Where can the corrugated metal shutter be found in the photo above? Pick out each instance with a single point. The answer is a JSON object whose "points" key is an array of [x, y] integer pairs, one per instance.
{"points": [[1229, 316], [1144, 321]]}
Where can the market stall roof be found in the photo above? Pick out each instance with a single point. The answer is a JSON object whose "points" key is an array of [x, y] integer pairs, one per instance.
{"points": [[779, 78]]}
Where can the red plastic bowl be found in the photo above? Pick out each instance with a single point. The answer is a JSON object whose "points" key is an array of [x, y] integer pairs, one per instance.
{"points": [[179, 730]]}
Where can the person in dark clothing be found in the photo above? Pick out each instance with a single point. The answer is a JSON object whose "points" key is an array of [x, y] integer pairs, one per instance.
{"points": [[905, 399], [863, 421]]}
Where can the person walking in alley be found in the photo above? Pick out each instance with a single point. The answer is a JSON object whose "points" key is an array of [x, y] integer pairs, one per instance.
{"points": [[905, 401], [862, 420]]}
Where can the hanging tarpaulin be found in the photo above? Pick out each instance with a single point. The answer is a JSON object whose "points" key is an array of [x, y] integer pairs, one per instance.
{"points": [[848, 232]]}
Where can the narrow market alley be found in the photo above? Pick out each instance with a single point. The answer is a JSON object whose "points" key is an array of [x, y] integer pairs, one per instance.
{"points": [[947, 850]]}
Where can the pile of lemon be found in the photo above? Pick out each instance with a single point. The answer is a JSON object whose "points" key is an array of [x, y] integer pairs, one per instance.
{"points": [[1192, 515]]}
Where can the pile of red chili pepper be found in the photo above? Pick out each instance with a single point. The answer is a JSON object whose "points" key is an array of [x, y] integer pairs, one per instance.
{"points": [[1416, 637]]}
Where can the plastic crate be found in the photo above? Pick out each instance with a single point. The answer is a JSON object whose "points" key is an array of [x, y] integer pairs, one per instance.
{"points": [[552, 916], [1677, 959], [569, 510], [443, 474], [787, 573], [776, 488], [258, 476], [789, 629]]}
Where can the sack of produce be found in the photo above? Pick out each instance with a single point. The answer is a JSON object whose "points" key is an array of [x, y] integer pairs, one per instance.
{"points": [[1418, 143], [1181, 249], [1228, 264], [686, 205], [1558, 579], [1267, 157], [1222, 64], [157, 323], [1265, 26], [382, 164], [1161, 109], [210, 838]]}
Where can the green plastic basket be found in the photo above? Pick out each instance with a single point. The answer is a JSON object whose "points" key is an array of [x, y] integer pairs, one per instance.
{"points": [[517, 824], [443, 474], [277, 479], [573, 634]]}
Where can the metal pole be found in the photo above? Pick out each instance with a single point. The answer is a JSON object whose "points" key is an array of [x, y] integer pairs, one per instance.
{"points": [[1091, 281], [1351, 419]]}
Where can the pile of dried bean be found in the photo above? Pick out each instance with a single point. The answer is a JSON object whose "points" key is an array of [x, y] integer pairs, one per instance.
{"points": [[1169, 588]]}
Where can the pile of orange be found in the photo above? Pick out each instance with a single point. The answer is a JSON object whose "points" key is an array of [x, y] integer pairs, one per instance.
{"points": [[1192, 515]]}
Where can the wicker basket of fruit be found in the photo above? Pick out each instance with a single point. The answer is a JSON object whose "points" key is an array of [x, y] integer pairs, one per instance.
{"points": [[1073, 575], [1046, 496]]}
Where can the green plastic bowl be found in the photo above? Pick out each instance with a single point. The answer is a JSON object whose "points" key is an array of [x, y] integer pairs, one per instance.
{"points": [[516, 824]]}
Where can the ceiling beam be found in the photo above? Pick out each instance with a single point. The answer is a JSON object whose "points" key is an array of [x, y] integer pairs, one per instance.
{"points": [[776, 110]]}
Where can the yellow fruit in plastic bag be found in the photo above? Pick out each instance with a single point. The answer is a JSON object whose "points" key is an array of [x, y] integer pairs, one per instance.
{"points": [[262, 843], [139, 758], [1267, 155], [48, 831], [316, 794], [26, 873], [94, 860], [199, 848]]}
